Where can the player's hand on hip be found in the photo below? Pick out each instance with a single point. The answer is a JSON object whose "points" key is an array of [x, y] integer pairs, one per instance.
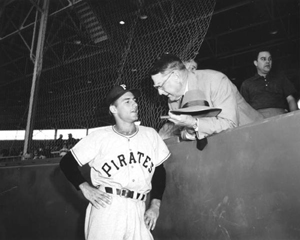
{"points": [[151, 215], [182, 120], [96, 197]]}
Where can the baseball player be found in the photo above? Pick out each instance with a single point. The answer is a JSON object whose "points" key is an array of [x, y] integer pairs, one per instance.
{"points": [[123, 159]]}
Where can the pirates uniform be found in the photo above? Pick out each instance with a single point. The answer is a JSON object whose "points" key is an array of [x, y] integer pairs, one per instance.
{"points": [[123, 166]]}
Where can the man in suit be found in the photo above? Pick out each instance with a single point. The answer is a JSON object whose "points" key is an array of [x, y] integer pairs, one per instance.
{"points": [[172, 79]]}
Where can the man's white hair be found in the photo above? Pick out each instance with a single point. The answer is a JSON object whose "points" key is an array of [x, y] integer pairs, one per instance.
{"points": [[190, 65]]}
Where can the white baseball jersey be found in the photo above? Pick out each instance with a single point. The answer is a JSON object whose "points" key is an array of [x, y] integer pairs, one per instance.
{"points": [[122, 161]]}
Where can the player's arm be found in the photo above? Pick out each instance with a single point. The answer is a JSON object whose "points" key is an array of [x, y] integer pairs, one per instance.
{"points": [[158, 183], [156, 194], [70, 168]]}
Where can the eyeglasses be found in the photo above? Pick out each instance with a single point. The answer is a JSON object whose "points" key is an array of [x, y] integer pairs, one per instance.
{"points": [[161, 86]]}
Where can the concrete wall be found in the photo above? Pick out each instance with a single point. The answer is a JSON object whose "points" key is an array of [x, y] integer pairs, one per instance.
{"points": [[243, 185], [37, 202]]}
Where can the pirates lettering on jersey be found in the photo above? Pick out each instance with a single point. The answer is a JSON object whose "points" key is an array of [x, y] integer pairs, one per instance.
{"points": [[122, 161]]}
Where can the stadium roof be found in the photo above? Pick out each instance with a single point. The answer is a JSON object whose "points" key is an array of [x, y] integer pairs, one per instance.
{"points": [[236, 30]]}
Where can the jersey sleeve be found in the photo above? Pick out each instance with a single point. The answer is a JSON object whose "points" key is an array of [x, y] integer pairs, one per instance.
{"points": [[162, 151], [86, 149]]}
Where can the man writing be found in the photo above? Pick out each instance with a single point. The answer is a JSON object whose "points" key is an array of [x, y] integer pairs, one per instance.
{"points": [[172, 79]]}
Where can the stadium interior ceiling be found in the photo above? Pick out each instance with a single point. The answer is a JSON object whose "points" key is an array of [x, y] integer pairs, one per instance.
{"points": [[236, 30]]}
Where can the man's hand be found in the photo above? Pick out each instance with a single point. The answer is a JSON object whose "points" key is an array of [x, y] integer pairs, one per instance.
{"points": [[95, 196], [151, 215], [188, 134], [182, 120]]}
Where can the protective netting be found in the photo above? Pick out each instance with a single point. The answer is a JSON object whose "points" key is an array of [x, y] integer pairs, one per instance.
{"points": [[87, 51]]}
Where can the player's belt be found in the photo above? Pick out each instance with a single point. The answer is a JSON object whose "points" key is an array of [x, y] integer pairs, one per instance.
{"points": [[125, 193]]}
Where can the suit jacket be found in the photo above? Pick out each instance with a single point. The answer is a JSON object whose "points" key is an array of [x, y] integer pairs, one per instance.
{"points": [[220, 92]]}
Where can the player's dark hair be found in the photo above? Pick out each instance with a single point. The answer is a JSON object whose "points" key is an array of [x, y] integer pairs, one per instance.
{"points": [[166, 62]]}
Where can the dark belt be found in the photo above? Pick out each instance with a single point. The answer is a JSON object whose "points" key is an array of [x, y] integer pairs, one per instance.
{"points": [[126, 193]]}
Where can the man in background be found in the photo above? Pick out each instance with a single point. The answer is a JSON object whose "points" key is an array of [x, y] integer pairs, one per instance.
{"points": [[58, 144], [270, 94]]}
